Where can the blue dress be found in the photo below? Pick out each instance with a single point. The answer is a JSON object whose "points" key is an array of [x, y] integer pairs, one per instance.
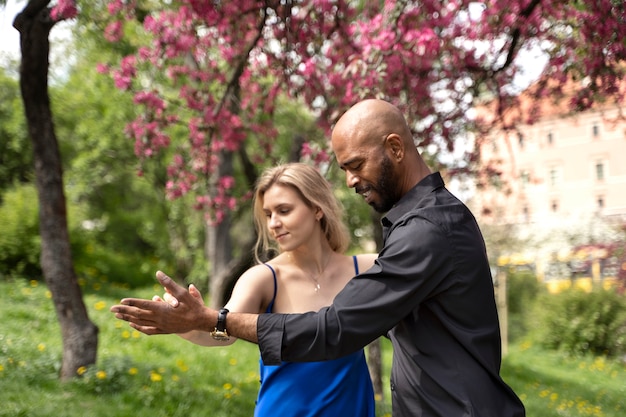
{"points": [[335, 388]]}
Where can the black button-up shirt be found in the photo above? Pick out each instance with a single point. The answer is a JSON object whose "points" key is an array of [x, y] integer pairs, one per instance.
{"points": [[430, 291]]}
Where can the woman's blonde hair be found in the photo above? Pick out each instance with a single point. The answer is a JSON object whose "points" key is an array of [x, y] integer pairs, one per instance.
{"points": [[314, 190]]}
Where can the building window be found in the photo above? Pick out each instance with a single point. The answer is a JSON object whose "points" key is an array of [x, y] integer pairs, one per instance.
{"points": [[595, 130], [520, 140], [599, 171], [550, 138], [554, 177], [555, 206]]}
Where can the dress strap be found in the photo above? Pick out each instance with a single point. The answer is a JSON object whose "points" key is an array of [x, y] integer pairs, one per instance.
{"points": [[356, 265], [271, 304]]}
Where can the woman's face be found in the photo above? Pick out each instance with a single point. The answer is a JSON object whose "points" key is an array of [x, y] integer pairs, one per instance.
{"points": [[290, 221]]}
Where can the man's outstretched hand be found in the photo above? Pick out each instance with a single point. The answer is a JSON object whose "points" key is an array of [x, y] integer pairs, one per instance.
{"points": [[158, 317]]}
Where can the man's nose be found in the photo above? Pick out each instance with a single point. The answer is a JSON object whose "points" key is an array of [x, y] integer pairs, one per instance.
{"points": [[351, 179]]}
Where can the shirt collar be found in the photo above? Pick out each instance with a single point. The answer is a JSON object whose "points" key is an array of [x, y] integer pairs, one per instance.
{"points": [[426, 185]]}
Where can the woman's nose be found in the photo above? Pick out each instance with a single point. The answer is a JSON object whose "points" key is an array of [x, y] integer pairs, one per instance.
{"points": [[274, 222]]}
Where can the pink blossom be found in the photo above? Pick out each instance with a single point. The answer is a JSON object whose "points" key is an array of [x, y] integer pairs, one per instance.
{"points": [[114, 31], [65, 9], [103, 68]]}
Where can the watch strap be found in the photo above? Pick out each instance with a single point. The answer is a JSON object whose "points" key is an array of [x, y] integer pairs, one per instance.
{"points": [[221, 320], [220, 333]]}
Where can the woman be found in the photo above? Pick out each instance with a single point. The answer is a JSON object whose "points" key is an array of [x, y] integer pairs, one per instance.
{"points": [[296, 215]]}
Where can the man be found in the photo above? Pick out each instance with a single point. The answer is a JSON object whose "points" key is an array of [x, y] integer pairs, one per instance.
{"points": [[430, 290]]}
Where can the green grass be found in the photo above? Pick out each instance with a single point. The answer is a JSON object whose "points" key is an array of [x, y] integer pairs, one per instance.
{"points": [[555, 384], [138, 375]]}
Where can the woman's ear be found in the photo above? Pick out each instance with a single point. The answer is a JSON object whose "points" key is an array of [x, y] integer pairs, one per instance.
{"points": [[318, 214]]}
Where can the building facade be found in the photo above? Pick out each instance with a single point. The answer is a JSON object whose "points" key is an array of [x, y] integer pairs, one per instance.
{"points": [[561, 186]]}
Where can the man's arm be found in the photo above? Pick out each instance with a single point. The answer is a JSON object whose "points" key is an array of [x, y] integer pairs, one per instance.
{"points": [[156, 317]]}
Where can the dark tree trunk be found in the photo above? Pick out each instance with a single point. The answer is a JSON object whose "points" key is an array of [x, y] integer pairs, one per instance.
{"points": [[80, 335], [219, 243]]}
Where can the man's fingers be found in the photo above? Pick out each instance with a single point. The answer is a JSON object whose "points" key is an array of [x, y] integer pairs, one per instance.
{"points": [[170, 299], [140, 303], [170, 286], [132, 310], [195, 292], [149, 330]]}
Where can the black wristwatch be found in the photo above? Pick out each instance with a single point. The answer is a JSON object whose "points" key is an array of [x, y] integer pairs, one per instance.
{"points": [[220, 333]]}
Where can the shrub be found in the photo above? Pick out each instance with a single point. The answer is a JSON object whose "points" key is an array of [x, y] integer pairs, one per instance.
{"points": [[19, 238], [579, 322], [523, 288]]}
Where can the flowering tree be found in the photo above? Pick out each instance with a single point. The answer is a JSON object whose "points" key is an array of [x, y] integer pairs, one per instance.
{"points": [[219, 67]]}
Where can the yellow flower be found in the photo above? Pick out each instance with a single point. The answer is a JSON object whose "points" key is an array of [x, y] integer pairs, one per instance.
{"points": [[1, 368], [34, 283], [133, 371], [100, 305], [48, 294], [232, 361], [81, 370], [125, 334], [227, 386], [182, 365], [155, 377], [136, 334], [41, 347], [101, 375]]}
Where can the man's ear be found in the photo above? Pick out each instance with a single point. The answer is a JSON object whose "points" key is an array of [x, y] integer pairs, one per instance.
{"points": [[394, 144]]}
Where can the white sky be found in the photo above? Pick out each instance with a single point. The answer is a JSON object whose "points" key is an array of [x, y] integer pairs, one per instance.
{"points": [[9, 36]]}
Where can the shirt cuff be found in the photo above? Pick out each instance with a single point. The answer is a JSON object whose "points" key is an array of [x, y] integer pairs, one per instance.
{"points": [[270, 328]]}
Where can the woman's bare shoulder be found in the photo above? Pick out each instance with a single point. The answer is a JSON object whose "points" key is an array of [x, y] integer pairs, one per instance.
{"points": [[366, 260]]}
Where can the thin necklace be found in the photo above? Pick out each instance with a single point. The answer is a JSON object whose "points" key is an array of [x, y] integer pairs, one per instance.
{"points": [[315, 280]]}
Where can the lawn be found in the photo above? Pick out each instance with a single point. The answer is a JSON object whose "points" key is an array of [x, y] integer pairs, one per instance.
{"points": [[139, 376]]}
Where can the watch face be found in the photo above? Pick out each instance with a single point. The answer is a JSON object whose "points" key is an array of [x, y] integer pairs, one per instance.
{"points": [[220, 335]]}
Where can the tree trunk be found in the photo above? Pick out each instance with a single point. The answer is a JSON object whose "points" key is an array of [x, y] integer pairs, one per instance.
{"points": [[219, 243], [80, 335]]}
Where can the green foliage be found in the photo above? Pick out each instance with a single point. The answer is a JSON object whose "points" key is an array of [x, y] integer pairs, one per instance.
{"points": [[19, 236], [523, 288], [578, 322], [15, 148]]}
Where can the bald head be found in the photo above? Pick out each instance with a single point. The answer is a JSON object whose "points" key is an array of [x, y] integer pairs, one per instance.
{"points": [[369, 121], [373, 144]]}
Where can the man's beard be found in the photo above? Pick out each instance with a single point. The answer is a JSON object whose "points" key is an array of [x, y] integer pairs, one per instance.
{"points": [[385, 188]]}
